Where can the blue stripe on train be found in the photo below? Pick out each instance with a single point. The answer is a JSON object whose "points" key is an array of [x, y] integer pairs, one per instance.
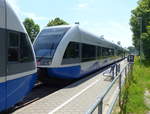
{"points": [[72, 72], [2, 96], [65, 72], [16, 90]]}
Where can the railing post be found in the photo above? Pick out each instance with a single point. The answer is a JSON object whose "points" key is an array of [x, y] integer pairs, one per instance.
{"points": [[113, 72], [116, 70], [100, 107], [126, 70], [129, 67], [119, 67], [120, 76]]}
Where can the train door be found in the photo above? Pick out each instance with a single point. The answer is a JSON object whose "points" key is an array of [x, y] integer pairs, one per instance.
{"points": [[2, 56]]}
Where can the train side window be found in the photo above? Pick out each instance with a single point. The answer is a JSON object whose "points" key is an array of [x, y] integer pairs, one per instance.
{"points": [[72, 50], [72, 53], [19, 49], [99, 52], [25, 49], [88, 52], [118, 52], [104, 52], [111, 52], [13, 49]]}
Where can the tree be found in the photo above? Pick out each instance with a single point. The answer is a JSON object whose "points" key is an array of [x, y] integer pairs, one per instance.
{"points": [[57, 21], [143, 11], [32, 28]]}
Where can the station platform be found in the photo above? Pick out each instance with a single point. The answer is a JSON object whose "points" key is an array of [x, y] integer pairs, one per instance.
{"points": [[75, 98]]}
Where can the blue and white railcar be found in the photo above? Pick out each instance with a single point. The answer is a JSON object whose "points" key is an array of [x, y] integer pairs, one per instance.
{"points": [[17, 60], [68, 52]]}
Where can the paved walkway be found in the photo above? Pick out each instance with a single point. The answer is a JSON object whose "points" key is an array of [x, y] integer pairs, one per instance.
{"points": [[73, 99]]}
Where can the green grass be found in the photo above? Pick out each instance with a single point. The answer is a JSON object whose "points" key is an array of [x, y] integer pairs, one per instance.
{"points": [[133, 93]]}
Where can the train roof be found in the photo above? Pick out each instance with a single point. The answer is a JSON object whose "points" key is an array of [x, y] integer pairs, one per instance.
{"points": [[9, 21], [95, 39], [58, 26], [100, 39]]}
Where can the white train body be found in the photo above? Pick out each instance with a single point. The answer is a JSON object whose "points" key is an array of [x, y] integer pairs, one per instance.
{"points": [[75, 54]]}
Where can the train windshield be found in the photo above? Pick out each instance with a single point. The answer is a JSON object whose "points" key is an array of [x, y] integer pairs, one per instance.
{"points": [[47, 42]]}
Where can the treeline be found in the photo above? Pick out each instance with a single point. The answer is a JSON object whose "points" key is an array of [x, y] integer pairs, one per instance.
{"points": [[33, 28], [140, 26]]}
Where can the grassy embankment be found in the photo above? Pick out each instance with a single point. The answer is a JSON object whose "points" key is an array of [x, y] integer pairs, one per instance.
{"points": [[133, 101]]}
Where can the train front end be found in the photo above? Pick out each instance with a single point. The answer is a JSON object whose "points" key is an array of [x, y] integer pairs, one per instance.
{"points": [[45, 47]]}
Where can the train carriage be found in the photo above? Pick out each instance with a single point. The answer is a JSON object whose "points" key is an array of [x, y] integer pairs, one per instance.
{"points": [[69, 52], [17, 59]]}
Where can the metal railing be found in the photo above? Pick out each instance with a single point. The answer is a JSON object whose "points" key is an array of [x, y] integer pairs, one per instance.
{"points": [[99, 101]]}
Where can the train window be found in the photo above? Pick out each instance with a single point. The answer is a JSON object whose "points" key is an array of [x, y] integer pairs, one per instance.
{"points": [[19, 49], [119, 52], [88, 52], [13, 50], [72, 50], [72, 53], [47, 42], [99, 52], [105, 52], [25, 49], [111, 52]]}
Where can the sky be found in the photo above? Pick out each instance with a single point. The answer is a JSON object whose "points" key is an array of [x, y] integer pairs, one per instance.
{"points": [[101, 17]]}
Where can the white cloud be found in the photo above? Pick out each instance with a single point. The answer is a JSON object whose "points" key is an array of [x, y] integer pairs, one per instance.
{"points": [[17, 9], [85, 23], [83, 5], [34, 16], [87, 1]]}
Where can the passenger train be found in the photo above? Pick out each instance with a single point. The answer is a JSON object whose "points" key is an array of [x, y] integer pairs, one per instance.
{"points": [[17, 59], [69, 52]]}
